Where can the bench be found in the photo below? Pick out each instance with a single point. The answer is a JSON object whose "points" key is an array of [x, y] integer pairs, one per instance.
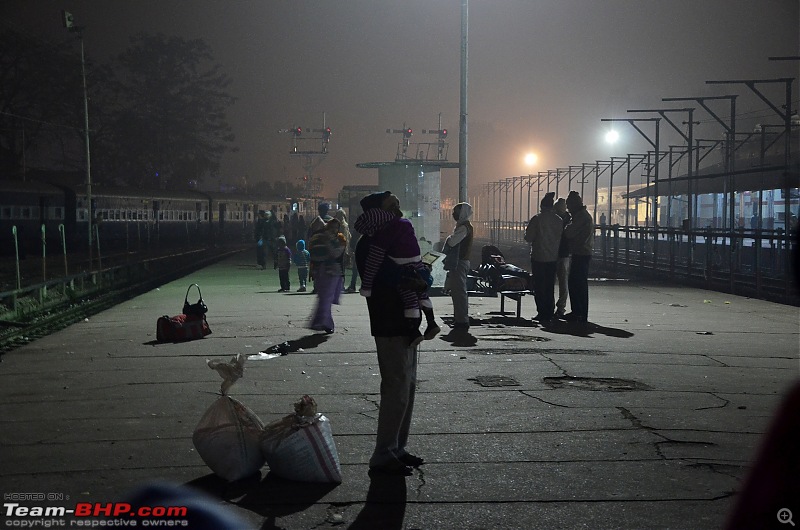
{"points": [[512, 295]]}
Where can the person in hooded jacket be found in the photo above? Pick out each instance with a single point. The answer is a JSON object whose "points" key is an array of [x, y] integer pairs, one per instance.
{"points": [[456, 281], [397, 359], [544, 234], [301, 258], [580, 237]]}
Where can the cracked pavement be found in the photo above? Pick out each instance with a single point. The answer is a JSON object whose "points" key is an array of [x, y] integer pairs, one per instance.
{"points": [[651, 424]]}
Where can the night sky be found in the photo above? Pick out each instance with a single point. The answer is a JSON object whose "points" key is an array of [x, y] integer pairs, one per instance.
{"points": [[542, 73]]}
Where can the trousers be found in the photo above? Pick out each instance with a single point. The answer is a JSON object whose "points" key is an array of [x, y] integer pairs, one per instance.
{"points": [[398, 367]]}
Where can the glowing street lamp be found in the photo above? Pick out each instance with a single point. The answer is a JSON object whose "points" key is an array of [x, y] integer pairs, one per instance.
{"points": [[612, 136]]}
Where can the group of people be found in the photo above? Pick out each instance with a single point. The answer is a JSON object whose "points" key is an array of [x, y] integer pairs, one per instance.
{"points": [[561, 237], [320, 257]]}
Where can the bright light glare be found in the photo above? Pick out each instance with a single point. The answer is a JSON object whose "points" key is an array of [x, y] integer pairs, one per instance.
{"points": [[612, 136], [531, 159]]}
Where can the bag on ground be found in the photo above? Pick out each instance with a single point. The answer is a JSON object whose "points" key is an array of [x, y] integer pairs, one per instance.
{"points": [[300, 446], [227, 436], [181, 327]]}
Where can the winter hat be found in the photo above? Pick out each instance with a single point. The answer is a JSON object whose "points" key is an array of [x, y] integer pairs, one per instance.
{"points": [[547, 202], [374, 200], [560, 206], [574, 198]]}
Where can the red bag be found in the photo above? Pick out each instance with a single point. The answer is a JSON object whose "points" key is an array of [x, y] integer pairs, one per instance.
{"points": [[181, 327]]}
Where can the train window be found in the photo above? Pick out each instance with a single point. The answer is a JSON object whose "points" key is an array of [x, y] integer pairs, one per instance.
{"points": [[59, 212], [5, 212], [160, 215], [25, 213], [205, 216], [116, 215]]}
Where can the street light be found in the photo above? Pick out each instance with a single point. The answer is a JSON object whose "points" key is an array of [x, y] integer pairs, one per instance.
{"points": [[78, 30], [612, 136]]}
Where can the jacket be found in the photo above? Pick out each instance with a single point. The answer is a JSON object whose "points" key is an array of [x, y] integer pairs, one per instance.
{"points": [[391, 236], [544, 234], [462, 233], [580, 233]]}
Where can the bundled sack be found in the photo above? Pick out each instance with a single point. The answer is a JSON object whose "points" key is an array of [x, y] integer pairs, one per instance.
{"points": [[189, 325], [227, 436], [300, 446]]}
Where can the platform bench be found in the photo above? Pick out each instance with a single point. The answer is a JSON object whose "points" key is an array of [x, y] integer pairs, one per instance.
{"points": [[512, 295]]}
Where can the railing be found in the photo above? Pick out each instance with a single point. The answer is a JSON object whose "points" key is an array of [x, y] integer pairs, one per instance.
{"points": [[744, 261]]}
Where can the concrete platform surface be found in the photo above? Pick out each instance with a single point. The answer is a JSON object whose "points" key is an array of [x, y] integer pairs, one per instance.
{"points": [[649, 418]]}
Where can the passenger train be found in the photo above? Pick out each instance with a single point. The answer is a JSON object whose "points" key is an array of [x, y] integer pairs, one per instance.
{"points": [[127, 218]]}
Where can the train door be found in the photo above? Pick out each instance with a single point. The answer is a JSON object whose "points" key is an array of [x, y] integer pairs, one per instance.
{"points": [[223, 211]]}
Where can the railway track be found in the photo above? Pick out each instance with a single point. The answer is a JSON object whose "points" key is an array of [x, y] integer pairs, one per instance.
{"points": [[16, 330]]}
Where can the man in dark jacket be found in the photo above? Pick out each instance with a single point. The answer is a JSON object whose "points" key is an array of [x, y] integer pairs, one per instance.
{"points": [[397, 360]]}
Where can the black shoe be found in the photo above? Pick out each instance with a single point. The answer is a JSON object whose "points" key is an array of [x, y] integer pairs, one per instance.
{"points": [[416, 338], [411, 460], [431, 331], [396, 468], [328, 331], [571, 317]]}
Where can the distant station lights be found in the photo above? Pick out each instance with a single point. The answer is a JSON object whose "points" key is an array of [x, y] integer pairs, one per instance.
{"points": [[297, 131]]}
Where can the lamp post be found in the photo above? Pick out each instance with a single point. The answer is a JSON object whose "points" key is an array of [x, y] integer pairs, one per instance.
{"points": [[462, 132], [78, 30]]}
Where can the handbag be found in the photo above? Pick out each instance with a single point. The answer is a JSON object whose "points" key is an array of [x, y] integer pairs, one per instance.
{"points": [[181, 327], [198, 308]]}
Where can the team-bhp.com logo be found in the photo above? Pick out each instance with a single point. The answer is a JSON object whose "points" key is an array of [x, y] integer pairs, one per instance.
{"points": [[120, 514]]}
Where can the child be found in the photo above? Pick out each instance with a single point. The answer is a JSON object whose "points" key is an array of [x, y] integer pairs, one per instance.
{"points": [[407, 256], [283, 260], [301, 259]]}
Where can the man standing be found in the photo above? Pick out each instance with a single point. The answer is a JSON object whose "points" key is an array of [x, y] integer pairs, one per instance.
{"points": [[397, 360], [544, 234], [460, 241], [580, 235]]}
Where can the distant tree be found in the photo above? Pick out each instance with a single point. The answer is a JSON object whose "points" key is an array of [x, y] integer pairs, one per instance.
{"points": [[41, 103], [162, 114], [277, 189]]}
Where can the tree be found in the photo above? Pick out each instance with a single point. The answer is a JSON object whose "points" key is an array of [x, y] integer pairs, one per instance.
{"points": [[162, 118], [41, 105]]}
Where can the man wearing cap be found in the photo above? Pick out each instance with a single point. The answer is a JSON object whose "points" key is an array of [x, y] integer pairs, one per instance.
{"points": [[544, 234], [580, 237], [397, 359]]}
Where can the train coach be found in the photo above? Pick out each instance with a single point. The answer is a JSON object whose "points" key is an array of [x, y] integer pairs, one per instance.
{"points": [[26, 207], [127, 219]]}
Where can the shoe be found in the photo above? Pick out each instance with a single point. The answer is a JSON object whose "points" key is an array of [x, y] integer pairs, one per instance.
{"points": [[396, 468], [411, 460], [570, 317], [431, 331], [301, 290], [416, 338], [328, 331], [350, 290], [560, 313]]}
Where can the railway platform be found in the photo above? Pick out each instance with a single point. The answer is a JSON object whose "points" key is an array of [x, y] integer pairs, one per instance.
{"points": [[648, 418]]}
